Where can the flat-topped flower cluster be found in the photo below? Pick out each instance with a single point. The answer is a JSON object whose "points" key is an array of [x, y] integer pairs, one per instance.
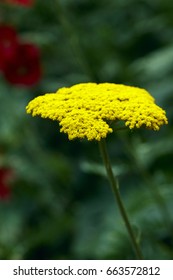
{"points": [[84, 110]]}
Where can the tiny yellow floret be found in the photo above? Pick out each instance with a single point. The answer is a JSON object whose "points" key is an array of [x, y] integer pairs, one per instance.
{"points": [[84, 110]]}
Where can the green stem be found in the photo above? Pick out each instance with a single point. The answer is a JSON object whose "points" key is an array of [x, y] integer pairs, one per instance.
{"points": [[115, 189]]}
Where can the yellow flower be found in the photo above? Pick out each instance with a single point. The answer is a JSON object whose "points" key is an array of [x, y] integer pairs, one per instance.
{"points": [[83, 110]]}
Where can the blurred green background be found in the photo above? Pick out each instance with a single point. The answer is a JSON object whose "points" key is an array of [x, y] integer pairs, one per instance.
{"points": [[60, 204]]}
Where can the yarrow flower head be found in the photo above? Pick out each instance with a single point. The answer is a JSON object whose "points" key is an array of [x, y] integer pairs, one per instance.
{"points": [[85, 110]]}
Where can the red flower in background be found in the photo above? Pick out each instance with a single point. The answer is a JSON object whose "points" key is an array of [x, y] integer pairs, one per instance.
{"points": [[21, 2], [8, 44], [5, 175], [19, 62], [24, 67]]}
